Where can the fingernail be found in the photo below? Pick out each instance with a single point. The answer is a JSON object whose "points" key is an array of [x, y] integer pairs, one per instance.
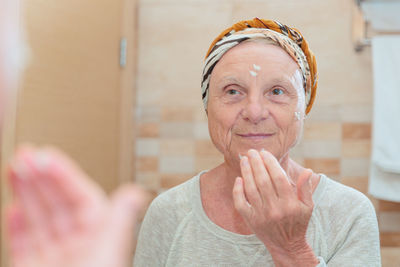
{"points": [[245, 160], [20, 169], [262, 150], [237, 181], [240, 156], [253, 153], [42, 161]]}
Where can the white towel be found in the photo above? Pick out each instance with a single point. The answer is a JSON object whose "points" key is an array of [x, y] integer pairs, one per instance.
{"points": [[383, 16], [384, 176]]}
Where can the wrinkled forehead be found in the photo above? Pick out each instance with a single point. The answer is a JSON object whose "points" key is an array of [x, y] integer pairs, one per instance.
{"points": [[256, 57]]}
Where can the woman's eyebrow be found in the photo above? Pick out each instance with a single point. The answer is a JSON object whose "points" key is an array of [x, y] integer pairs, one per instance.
{"points": [[228, 79], [283, 81]]}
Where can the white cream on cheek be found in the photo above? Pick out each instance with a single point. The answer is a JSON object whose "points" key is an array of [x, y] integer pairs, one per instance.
{"points": [[299, 113]]}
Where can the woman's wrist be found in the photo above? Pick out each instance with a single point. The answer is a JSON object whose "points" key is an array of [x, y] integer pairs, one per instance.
{"points": [[294, 255]]}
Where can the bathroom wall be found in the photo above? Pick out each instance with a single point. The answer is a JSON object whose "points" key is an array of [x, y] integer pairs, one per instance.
{"points": [[172, 136]]}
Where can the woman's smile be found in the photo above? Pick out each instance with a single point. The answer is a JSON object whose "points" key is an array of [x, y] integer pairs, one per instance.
{"points": [[255, 136]]}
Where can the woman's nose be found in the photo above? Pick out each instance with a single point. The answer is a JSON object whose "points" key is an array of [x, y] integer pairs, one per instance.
{"points": [[255, 111]]}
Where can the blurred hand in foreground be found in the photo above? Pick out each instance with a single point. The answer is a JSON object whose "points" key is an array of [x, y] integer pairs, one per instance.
{"points": [[60, 217]]}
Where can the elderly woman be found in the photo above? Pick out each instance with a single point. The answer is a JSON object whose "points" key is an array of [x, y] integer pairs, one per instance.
{"points": [[259, 207]]}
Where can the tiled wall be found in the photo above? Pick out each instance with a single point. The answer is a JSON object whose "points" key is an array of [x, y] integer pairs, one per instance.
{"points": [[172, 136]]}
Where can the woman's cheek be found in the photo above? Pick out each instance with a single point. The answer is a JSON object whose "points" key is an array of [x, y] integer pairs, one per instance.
{"points": [[220, 130], [216, 134]]}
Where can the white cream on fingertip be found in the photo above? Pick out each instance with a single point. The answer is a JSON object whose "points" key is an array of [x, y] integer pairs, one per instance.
{"points": [[41, 160]]}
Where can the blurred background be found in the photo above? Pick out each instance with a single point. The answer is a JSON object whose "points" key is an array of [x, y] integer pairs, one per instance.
{"points": [[116, 84]]}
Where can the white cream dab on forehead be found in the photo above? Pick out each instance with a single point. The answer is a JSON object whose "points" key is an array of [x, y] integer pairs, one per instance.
{"points": [[253, 73], [256, 67]]}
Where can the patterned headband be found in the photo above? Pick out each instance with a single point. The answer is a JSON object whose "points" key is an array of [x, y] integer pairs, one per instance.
{"points": [[288, 39]]}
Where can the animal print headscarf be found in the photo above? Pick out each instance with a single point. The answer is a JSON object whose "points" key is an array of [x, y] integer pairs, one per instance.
{"points": [[287, 38]]}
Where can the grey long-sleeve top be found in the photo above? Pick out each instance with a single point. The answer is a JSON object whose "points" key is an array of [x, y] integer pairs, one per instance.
{"points": [[342, 231]]}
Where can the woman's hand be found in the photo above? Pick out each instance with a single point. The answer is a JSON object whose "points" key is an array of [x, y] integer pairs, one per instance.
{"points": [[277, 212], [59, 217]]}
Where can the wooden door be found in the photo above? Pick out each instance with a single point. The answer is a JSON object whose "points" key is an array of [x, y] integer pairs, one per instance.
{"points": [[71, 94], [75, 94]]}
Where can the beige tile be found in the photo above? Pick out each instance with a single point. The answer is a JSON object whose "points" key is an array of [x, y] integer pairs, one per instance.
{"points": [[176, 165], [326, 166], [148, 130], [359, 183], [390, 239], [390, 256], [354, 92], [147, 147], [149, 180], [147, 114], [389, 206], [200, 114], [147, 164], [322, 131], [324, 113], [180, 2], [177, 147], [206, 148], [176, 130], [321, 149], [177, 113], [356, 131], [207, 163], [359, 113], [357, 148], [169, 66], [354, 167], [201, 130], [146, 97], [288, 15], [389, 221], [171, 180]]}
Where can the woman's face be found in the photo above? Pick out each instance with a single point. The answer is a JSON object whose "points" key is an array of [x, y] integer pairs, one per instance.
{"points": [[256, 100]]}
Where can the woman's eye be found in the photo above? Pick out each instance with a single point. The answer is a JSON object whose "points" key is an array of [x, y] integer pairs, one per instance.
{"points": [[277, 91], [233, 92]]}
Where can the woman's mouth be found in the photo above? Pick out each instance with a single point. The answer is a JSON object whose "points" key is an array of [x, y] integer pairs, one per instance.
{"points": [[256, 136]]}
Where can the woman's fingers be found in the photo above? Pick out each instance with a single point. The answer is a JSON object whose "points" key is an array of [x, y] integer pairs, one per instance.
{"points": [[34, 213], [67, 178], [304, 188], [239, 198], [60, 212], [261, 177], [66, 196], [126, 205], [278, 175], [17, 232], [250, 188]]}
